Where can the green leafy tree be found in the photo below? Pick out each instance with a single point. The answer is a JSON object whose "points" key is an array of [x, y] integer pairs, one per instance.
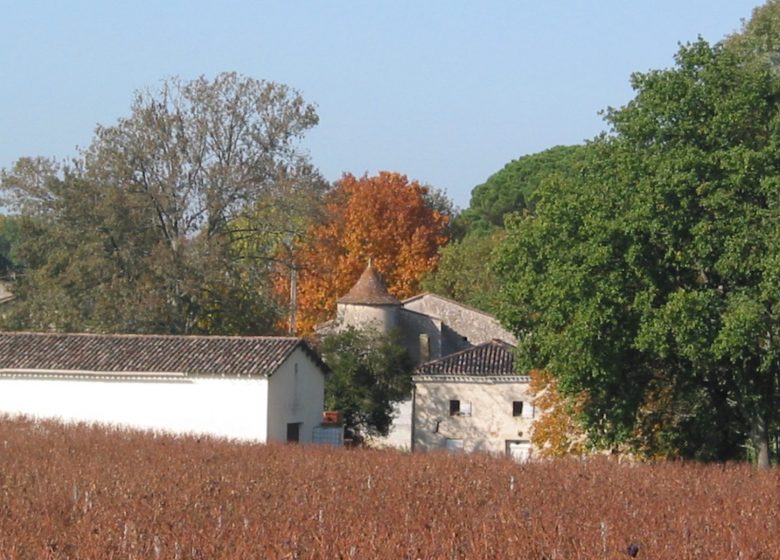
{"points": [[9, 241], [513, 188], [370, 373], [171, 220], [465, 271], [660, 266], [760, 35]]}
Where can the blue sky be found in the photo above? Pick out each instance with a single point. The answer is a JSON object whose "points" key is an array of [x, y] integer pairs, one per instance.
{"points": [[445, 92]]}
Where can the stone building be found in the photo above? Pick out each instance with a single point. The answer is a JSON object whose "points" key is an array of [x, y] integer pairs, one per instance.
{"points": [[431, 327], [473, 400]]}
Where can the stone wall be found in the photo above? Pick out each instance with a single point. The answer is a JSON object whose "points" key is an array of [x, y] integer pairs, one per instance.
{"points": [[470, 325], [412, 325], [490, 424], [382, 318]]}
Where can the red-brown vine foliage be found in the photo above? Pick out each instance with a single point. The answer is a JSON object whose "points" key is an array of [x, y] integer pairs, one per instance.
{"points": [[82, 492]]}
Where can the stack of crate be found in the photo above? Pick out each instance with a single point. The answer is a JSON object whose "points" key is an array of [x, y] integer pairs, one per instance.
{"points": [[331, 430]]}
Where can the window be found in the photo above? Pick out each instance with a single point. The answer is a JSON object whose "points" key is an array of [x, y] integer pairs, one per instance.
{"points": [[453, 445], [460, 408], [425, 348], [517, 408], [528, 410]]}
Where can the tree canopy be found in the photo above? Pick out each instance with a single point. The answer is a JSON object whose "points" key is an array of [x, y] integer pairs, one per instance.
{"points": [[171, 219], [9, 241], [513, 188], [386, 218], [465, 271], [760, 35], [370, 373], [659, 266]]}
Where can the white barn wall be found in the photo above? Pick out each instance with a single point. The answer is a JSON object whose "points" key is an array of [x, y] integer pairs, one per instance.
{"points": [[400, 433], [291, 400], [225, 407]]}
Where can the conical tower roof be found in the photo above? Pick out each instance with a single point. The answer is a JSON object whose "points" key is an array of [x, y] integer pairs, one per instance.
{"points": [[369, 290]]}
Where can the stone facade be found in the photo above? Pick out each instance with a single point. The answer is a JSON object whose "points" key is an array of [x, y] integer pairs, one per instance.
{"points": [[431, 327], [492, 422], [473, 400], [454, 326]]}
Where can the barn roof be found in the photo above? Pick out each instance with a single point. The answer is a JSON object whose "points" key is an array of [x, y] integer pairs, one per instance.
{"points": [[140, 354], [490, 359], [370, 289]]}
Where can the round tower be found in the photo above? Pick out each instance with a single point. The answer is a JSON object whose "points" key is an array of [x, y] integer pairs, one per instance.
{"points": [[368, 304]]}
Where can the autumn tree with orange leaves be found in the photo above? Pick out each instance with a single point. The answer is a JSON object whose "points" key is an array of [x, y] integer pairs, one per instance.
{"points": [[556, 433], [385, 218]]}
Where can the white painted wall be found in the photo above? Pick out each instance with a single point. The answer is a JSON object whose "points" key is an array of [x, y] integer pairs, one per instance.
{"points": [[291, 400], [226, 407], [400, 434], [491, 423]]}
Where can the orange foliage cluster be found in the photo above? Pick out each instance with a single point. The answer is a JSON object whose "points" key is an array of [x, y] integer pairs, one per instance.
{"points": [[556, 432], [384, 218], [83, 493]]}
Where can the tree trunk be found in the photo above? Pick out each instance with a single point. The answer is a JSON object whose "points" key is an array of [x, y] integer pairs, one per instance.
{"points": [[760, 436]]}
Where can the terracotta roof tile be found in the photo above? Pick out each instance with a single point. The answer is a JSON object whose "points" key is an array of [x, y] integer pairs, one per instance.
{"points": [[212, 355], [370, 289], [490, 359]]}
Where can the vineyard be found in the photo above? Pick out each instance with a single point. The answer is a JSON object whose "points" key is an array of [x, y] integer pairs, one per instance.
{"points": [[82, 492]]}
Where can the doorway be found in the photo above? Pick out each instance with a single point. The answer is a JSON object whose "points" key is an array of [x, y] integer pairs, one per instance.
{"points": [[294, 432]]}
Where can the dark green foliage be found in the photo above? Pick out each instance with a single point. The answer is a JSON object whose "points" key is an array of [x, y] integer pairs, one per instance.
{"points": [[464, 272], [660, 265], [9, 241], [513, 188], [370, 372]]}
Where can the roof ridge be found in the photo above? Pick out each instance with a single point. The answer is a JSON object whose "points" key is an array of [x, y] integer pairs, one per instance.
{"points": [[153, 335], [494, 342], [494, 357], [212, 354], [456, 302]]}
